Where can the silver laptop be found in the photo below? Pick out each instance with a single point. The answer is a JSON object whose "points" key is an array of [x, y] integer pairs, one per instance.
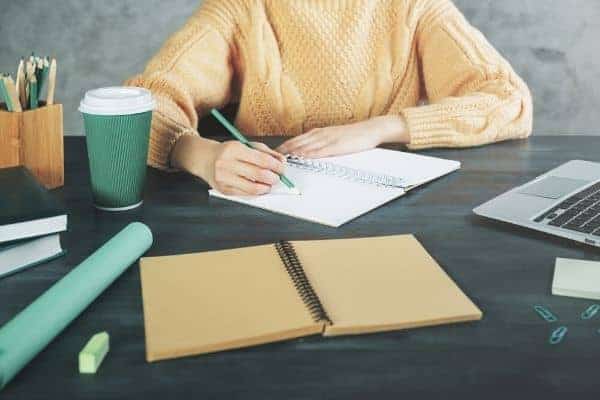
{"points": [[563, 202]]}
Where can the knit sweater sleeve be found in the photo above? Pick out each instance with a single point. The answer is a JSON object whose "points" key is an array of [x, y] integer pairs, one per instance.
{"points": [[474, 96], [191, 74]]}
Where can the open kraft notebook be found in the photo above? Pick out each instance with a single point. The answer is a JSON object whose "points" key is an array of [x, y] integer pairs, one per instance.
{"points": [[207, 302]]}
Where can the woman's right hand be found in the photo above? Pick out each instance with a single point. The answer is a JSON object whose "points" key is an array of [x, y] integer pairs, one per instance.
{"points": [[241, 171], [230, 167]]}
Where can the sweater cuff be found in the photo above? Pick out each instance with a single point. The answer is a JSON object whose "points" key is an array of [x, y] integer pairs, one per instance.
{"points": [[428, 126], [162, 144]]}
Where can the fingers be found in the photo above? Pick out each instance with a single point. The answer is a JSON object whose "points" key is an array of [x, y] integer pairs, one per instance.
{"points": [[255, 174], [262, 160], [310, 145], [320, 152], [266, 149], [311, 148], [291, 146], [238, 169], [232, 191], [233, 184], [248, 187]]}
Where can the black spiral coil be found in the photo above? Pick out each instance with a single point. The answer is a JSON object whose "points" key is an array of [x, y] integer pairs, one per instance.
{"points": [[305, 290]]}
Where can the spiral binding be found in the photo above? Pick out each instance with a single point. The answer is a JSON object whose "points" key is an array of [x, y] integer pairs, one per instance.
{"points": [[348, 173], [304, 288]]}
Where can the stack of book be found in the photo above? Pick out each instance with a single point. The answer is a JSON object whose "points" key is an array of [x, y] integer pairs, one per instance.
{"points": [[31, 219]]}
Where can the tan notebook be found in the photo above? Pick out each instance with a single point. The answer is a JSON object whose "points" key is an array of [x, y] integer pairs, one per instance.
{"points": [[207, 302]]}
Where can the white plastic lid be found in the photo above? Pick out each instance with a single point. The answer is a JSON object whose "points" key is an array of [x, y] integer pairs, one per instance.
{"points": [[117, 100]]}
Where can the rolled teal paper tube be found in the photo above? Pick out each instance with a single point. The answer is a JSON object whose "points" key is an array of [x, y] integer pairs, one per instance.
{"points": [[30, 331]]}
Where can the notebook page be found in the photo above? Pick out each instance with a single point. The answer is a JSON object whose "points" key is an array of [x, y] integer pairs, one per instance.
{"points": [[325, 199], [334, 201], [415, 169], [206, 302], [379, 284]]}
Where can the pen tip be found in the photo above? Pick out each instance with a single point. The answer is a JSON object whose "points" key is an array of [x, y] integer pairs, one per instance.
{"points": [[295, 191]]}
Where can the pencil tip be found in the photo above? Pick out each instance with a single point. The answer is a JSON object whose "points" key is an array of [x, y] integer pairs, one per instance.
{"points": [[296, 191]]}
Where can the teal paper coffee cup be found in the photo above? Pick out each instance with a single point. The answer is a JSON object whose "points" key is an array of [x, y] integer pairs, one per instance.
{"points": [[117, 129]]}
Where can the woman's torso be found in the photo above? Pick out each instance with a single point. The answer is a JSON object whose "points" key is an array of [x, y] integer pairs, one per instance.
{"points": [[306, 64]]}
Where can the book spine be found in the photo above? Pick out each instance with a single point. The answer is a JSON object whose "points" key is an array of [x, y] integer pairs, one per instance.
{"points": [[294, 268]]}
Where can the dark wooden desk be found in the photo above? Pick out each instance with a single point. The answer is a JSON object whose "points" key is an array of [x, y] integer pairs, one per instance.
{"points": [[505, 270]]}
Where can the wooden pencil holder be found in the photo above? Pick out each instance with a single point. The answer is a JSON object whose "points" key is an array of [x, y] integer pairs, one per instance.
{"points": [[34, 139]]}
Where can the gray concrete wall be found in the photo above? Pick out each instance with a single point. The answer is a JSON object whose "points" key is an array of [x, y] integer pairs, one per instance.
{"points": [[553, 44]]}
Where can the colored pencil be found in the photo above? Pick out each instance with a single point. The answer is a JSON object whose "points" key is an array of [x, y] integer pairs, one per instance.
{"points": [[20, 84], [11, 90], [4, 94], [43, 66], [33, 93], [51, 82]]}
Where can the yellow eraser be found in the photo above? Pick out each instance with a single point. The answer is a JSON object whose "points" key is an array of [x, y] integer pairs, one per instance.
{"points": [[93, 353]]}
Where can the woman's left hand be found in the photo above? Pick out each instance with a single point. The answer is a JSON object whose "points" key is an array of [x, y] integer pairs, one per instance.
{"points": [[346, 139]]}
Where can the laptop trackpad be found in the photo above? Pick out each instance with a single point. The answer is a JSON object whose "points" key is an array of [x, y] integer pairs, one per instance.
{"points": [[553, 187]]}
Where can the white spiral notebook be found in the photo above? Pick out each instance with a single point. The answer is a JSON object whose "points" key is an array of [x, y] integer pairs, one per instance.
{"points": [[337, 190]]}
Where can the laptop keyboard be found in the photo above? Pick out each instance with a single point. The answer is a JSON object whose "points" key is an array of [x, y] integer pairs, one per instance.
{"points": [[579, 213]]}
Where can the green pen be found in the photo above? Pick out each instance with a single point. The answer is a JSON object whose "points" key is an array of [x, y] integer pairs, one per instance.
{"points": [[238, 135]]}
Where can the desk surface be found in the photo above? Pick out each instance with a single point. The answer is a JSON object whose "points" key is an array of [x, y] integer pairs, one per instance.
{"points": [[504, 269]]}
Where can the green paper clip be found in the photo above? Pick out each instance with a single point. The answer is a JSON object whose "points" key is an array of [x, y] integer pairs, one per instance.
{"points": [[558, 335], [545, 313], [590, 312]]}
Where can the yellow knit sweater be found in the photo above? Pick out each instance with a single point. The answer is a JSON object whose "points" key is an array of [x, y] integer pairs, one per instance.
{"points": [[293, 65]]}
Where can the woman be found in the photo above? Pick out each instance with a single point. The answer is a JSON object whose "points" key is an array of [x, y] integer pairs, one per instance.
{"points": [[339, 76]]}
